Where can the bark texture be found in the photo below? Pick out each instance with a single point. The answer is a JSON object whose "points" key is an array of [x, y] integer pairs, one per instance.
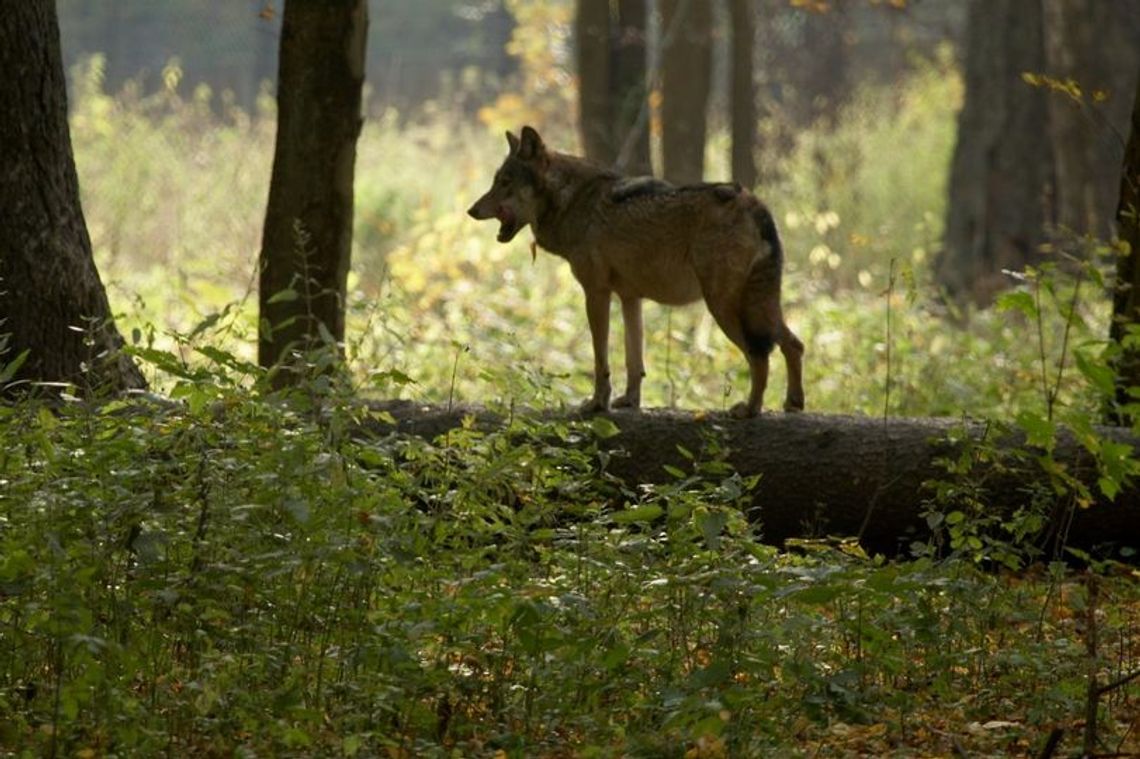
{"points": [[1036, 164], [307, 240], [686, 69], [52, 303], [592, 35], [835, 476], [998, 209], [611, 51], [631, 126], [743, 88], [1126, 299], [1093, 44]]}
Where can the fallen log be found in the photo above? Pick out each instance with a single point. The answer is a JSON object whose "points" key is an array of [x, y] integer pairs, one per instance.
{"points": [[849, 476]]}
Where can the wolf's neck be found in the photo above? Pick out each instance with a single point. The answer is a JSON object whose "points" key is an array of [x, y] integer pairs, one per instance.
{"points": [[572, 184]]}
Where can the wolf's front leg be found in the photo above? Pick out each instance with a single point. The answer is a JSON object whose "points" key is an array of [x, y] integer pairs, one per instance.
{"points": [[634, 363], [598, 315]]}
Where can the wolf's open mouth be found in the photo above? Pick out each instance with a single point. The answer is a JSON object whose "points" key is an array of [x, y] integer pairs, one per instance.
{"points": [[508, 224]]}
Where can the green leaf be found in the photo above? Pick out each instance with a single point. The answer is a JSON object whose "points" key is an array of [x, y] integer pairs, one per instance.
{"points": [[284, 296], [1038, 430], [1098, 374], [224, 358], [819, 594], [203, 325], [326, 336], [8, 370], [603, 427], [711, 523], [645, 513], [1109, 487], [1017, 300], [615, 657], [298, 508]]}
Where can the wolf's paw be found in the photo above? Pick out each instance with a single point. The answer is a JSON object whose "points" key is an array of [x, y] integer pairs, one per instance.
{"points": [[593, 406], [794, 406], [627, 401], [743, 410]]}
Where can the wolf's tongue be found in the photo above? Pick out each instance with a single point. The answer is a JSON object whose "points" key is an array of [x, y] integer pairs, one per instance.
{"points": [[507, 222]]}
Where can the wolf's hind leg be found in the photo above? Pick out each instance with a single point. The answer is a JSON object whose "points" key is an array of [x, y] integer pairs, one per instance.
{"points": [[634, 361], [758, 370], [598, 315], [793, 350]]}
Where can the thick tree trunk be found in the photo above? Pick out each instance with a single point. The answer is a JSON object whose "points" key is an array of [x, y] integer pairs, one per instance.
{"points": [[743, 93], [52, 304], [1094, 45], [307, 240], [837, 476], [629, 95], [592, 34], [686, 69], [1002, 168], [1126, 300]]}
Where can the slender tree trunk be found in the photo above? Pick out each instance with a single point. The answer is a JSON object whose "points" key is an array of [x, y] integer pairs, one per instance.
{"points": [[743, 93], [1126, 300], [686, 69], [1002, 168], [629, 95], [52, 304], [592, 32], [307, 240]]}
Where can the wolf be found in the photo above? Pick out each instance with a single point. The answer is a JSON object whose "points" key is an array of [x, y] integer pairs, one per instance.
{"points": [[644, 238]]}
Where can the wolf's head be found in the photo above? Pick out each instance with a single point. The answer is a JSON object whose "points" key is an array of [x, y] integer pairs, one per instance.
{"points": [[513, 197]]}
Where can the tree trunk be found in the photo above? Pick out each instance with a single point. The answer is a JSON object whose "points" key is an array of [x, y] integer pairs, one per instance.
{"points": [[592, 32], [1094, 45], [686, 68], [629, 95], [307, 240], [743, 93], [52, 304], [1126, 299], [837, 476], [1002, 168]]}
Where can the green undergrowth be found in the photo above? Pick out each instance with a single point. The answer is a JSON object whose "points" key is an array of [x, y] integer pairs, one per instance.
{"points": [[252, 573]]}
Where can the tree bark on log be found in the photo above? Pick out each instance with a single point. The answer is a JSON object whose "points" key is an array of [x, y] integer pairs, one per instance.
{"points": [[840, 476]]}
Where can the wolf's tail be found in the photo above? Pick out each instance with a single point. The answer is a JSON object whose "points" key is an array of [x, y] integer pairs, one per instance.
{"points": [[760, 309], [768, 233]]}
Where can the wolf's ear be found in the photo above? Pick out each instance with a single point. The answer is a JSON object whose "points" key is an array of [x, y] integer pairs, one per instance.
{"points": [[531, 146], [513, 142]]}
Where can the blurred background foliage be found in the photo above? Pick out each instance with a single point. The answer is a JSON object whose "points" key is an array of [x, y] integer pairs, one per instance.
{"points": [[173, 131]]}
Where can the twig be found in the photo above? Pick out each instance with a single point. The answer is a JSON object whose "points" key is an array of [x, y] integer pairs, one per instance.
{"points": [[1092, 695], [1051, 745]]}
